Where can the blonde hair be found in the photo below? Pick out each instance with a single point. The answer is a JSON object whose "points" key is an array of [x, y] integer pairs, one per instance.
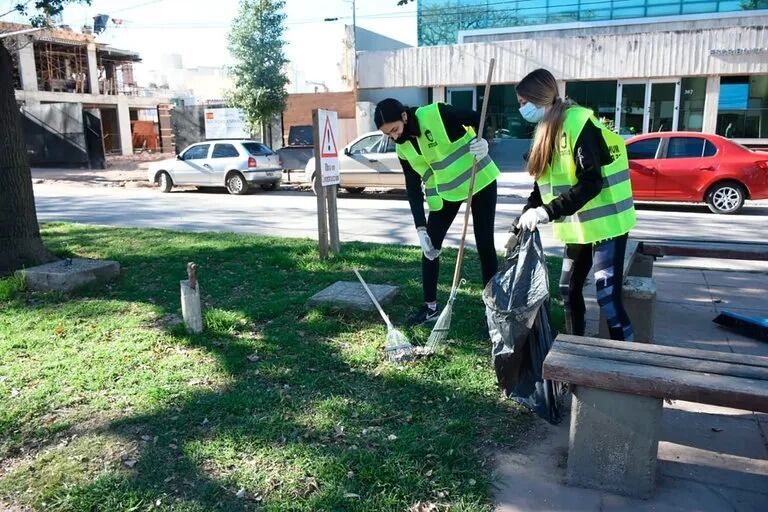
{"points": [[540, 88]]}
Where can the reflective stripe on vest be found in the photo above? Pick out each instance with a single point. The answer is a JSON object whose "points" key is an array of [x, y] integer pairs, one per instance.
{"points": [[611, 213], [451, 162], [608, 181], [408, 152]]}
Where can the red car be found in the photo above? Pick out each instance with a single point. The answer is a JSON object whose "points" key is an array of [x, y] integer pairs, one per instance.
{"points": [[696, 167]]}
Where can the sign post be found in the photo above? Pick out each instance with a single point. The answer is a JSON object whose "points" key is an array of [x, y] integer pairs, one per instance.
{"points": [[326, 134]]}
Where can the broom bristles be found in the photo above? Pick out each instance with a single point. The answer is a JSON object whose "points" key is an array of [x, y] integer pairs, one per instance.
{"points": [[440, 332]]}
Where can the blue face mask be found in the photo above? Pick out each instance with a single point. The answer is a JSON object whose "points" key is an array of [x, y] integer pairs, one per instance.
{"points": [[532, 113]]}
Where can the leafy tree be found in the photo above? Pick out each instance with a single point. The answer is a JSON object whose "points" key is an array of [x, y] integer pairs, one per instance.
{"points": [[748, 5], [20, 241], [256, 42]]}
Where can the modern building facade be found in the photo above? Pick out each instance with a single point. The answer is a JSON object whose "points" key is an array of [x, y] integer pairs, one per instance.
{"points": [[641, 65]]}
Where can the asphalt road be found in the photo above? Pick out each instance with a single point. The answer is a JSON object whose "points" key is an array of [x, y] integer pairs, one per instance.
{"points": [[372, 217]]}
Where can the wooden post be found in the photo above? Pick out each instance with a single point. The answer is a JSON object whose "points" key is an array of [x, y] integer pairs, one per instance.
{"points": [[322, 213], [190, 301], [333, 219]]}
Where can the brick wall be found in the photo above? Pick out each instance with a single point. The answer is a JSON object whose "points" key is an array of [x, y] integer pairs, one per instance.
{"points": [[298, 111]]}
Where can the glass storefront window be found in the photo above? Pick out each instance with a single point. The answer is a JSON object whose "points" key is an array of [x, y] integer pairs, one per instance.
{"points": [[599, 96], [693, 91], [503, 119], [743, 107], [439, 21]]}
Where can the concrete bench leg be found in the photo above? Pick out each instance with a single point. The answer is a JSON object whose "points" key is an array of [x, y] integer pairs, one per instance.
{"points": [[614, 441], [642, 266], [639, 297]]}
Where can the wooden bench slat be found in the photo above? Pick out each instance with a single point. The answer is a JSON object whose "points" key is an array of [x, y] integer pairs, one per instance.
{"points": [[639, 379], [690, 353], [665, 361]]}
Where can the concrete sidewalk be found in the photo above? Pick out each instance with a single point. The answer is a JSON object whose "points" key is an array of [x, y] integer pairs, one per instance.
{"points": [[710, 458]]}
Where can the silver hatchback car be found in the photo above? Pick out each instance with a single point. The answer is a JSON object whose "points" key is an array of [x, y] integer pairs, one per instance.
{"points": [[233, 164]]}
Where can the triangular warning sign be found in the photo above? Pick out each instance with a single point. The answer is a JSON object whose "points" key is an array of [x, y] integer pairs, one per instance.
{"points": [[328, 147]]}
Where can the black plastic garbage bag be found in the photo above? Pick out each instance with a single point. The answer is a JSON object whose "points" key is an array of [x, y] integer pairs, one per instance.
{"points": [[517, 311]]}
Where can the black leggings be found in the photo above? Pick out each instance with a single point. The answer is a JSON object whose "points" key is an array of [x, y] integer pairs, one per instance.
{"points": [[438, 223], [608, 259]]}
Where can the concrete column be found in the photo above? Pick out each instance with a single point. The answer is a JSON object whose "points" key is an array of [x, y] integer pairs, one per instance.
{"points": [[614, 441], [93, 69], [711, 101], [561, 88], [27, 69], [124, 126], [439, 94]]}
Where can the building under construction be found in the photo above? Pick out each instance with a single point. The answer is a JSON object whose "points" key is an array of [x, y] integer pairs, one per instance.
{"points": [[58, 70]]}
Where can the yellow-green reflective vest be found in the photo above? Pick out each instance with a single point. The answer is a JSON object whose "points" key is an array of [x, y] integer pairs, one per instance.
{"points": [[612, 212], [450, 162], [408, 152]]}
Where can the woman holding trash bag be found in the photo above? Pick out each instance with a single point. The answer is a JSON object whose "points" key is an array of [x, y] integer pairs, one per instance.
{"points": [[437, 144], [582, 186]]}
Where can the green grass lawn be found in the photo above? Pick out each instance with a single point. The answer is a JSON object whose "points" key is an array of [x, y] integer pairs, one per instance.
{"points": [[107, 404]]}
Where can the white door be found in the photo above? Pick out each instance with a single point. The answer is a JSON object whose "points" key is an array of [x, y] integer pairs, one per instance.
{"points": [[224, 158], [190, 168], [391, 174], [360, 163]]}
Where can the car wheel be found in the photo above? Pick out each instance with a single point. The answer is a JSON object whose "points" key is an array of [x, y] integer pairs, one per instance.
{"points": [[236, 184], [355, 190], [270, 186], [165, 182], [726, 198]]}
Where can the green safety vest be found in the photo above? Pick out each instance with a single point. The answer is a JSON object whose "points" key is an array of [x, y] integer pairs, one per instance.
{"points": [[612, 212], [407, 151], [448, 164]]}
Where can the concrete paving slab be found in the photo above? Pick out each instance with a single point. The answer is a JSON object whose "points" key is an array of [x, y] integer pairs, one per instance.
{"points": [[745, 297], [736, 279], [678, 275], [713, 468], [742, 501], [351, 296], [737, 435], [672, 495], [742, 345]]}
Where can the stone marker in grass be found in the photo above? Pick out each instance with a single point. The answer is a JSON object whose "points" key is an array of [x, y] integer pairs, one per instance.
{"points": [[351, 296], [69, 274]]}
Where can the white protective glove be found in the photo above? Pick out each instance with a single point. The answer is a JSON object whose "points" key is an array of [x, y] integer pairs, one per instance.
{"points": [[426, 244], [533, 217], [479, 147]]}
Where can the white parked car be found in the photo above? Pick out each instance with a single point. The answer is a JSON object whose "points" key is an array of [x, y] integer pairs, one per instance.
{"points": [[368, 161], [233, 164]]}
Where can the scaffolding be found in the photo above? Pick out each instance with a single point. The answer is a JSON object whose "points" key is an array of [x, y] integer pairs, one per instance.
{"points": [[61, 68]]}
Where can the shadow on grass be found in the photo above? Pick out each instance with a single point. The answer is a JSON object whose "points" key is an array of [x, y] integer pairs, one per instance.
{"points": [[315, 421]]}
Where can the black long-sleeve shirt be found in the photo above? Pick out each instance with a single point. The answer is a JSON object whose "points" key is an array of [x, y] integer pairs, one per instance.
{"points": [[455, 120], [590, 153]]}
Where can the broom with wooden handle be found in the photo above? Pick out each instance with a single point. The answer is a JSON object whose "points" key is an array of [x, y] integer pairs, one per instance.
{"points": [[443, 324]]}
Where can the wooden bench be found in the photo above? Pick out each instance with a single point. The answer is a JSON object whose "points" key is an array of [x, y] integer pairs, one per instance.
{"points": [[618, 388], [638, 293]]}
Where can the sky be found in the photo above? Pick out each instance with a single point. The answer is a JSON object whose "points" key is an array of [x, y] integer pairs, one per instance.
{"points": [[198, 30]]}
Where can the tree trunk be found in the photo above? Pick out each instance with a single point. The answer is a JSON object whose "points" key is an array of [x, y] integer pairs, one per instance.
{"points": [[20, 242]]}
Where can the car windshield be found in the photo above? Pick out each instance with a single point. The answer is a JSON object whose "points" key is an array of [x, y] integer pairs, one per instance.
{"points": [[256, 149]]}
